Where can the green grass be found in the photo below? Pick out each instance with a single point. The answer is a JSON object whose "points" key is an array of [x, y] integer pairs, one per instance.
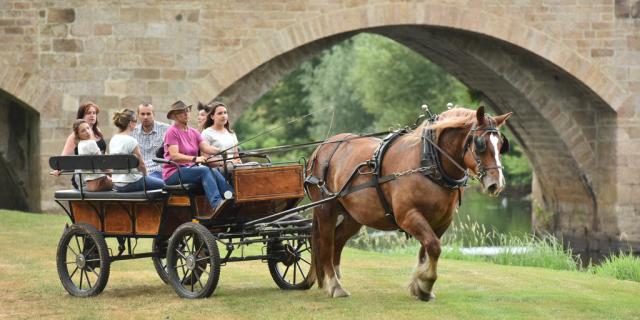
{"points": [[623, 266], [377, 282]]}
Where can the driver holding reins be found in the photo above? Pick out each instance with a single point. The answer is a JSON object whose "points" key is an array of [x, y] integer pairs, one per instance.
{"points": [[182, 144]]}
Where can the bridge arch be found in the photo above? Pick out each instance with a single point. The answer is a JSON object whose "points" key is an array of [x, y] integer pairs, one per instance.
{"points": [[565, 105], [28, 109]]}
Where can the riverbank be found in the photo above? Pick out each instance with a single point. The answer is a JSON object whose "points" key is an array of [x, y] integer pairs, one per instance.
{"points": [[377, 282]]}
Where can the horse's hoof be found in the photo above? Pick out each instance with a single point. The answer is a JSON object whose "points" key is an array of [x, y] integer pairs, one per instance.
{"points": [[421, 295], [340, 293], [427, 296]]}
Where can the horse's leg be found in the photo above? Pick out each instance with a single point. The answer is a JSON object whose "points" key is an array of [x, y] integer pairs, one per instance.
{"points": [[425, 273], [345, 230], [325, 216]]}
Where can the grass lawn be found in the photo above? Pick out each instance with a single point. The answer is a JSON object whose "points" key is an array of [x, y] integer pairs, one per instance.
{"points": [[377, 282]]}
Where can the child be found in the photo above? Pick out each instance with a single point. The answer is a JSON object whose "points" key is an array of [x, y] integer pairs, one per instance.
{"points": [[88, 146]]}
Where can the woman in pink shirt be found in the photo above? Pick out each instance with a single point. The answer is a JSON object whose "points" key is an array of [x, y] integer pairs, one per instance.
{"points": [[182, 145]]}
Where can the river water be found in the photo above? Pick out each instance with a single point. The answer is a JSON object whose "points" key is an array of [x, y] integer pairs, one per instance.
{"points": [[507, 214]]}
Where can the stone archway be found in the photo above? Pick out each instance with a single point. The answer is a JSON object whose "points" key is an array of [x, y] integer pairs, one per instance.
{"points": [[19, 147], [29, 107]]}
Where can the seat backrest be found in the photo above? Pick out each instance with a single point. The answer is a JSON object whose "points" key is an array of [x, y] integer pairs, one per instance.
{"points": [[160, 152], [94, 162]]}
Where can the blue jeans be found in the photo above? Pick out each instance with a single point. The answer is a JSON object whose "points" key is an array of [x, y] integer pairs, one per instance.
{"points": [[211, 180], [152, 183], [155, 174]]}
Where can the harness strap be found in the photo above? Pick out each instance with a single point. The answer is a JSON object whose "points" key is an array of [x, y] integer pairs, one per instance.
{"points": [[377, 178]]}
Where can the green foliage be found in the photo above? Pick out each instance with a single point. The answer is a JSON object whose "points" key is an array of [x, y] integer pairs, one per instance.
{"points": [[333, 95], [623, 266], [281, 107], [516, 166], [394, 81]]}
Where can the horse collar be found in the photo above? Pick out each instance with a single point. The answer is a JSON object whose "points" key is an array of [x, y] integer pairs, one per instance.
{"points": [[433, 164]]}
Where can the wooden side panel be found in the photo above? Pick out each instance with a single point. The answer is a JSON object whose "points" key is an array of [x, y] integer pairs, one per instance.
{"points": [[148, 218], [175, 217], [116, 218], [179, 200], [84, 213], [254, 184], [202, 203]]}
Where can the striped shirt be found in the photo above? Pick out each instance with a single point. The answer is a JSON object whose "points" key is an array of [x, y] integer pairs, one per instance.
{"points": [[149, 143]]}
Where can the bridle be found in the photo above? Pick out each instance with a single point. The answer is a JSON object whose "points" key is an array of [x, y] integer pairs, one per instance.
{"points": [[480, 145]]}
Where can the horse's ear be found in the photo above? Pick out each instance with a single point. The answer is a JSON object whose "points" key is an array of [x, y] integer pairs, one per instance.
{"points": [[480, 115], [502, 118]]}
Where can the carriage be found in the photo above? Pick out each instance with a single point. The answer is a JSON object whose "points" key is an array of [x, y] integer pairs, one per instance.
{"points": [[189, 244]]}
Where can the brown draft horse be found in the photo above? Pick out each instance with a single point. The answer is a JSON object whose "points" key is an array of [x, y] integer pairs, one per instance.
{"points": [[421, 207]]}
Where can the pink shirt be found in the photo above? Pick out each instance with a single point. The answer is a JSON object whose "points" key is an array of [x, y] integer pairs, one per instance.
{"points": [[188, 143]]}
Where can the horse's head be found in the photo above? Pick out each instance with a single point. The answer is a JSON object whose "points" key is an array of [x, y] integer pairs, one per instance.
{"points": [[483, 148]]}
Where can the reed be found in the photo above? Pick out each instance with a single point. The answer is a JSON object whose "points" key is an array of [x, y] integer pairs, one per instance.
{"points": [[622, 266]]}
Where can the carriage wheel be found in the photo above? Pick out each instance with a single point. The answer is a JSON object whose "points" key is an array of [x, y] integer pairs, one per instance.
{"points": [[83, 261], [193, 261], [160, 261], [290, 263]]}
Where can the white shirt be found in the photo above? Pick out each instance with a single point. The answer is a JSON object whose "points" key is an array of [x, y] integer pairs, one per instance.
{"points": [[124, 144], [220, 139], [89, 147]]}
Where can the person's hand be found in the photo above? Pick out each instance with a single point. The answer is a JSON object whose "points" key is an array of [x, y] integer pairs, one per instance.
{"points": [[215, 161], [55, 173], [201, 159]]}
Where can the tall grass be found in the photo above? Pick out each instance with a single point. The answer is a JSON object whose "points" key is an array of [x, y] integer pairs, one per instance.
{"points": [[533, 250], [543, 251], [623, 266]]}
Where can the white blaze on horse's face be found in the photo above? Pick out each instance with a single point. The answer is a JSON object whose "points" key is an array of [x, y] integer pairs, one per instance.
{"points": [[496, 153]]}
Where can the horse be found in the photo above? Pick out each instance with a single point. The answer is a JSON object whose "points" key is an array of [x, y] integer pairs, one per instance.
{"points": [[421, 207]]}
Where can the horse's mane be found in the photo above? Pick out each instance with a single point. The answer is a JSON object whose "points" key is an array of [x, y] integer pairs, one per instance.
{"points": [[457, 117]]}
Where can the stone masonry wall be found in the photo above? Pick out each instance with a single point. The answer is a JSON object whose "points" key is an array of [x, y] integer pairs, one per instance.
{"points": [[56, 54]]}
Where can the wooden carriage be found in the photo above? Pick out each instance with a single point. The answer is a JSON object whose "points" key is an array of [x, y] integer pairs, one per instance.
{"points": [[186, 235]]}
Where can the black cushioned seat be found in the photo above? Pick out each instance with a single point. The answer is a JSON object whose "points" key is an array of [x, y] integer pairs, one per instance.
{"points": [[74, 194], [191, 187]]}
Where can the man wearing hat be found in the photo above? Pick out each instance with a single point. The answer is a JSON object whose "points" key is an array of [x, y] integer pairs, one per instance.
{"points": [[150, 136], [182, 145]]}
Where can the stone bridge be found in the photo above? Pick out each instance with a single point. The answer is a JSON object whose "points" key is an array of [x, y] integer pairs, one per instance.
{"points": [[568, 69]]}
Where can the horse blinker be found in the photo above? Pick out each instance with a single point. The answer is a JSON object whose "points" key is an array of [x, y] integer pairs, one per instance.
{"points": [[505, 144], [481, 144]]}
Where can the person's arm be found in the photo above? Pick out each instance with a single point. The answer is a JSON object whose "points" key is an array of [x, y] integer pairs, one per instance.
{"points": [[236, 154], [204, 147], [69, 145], [175, 155], [67, 150], [141, 167]]}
